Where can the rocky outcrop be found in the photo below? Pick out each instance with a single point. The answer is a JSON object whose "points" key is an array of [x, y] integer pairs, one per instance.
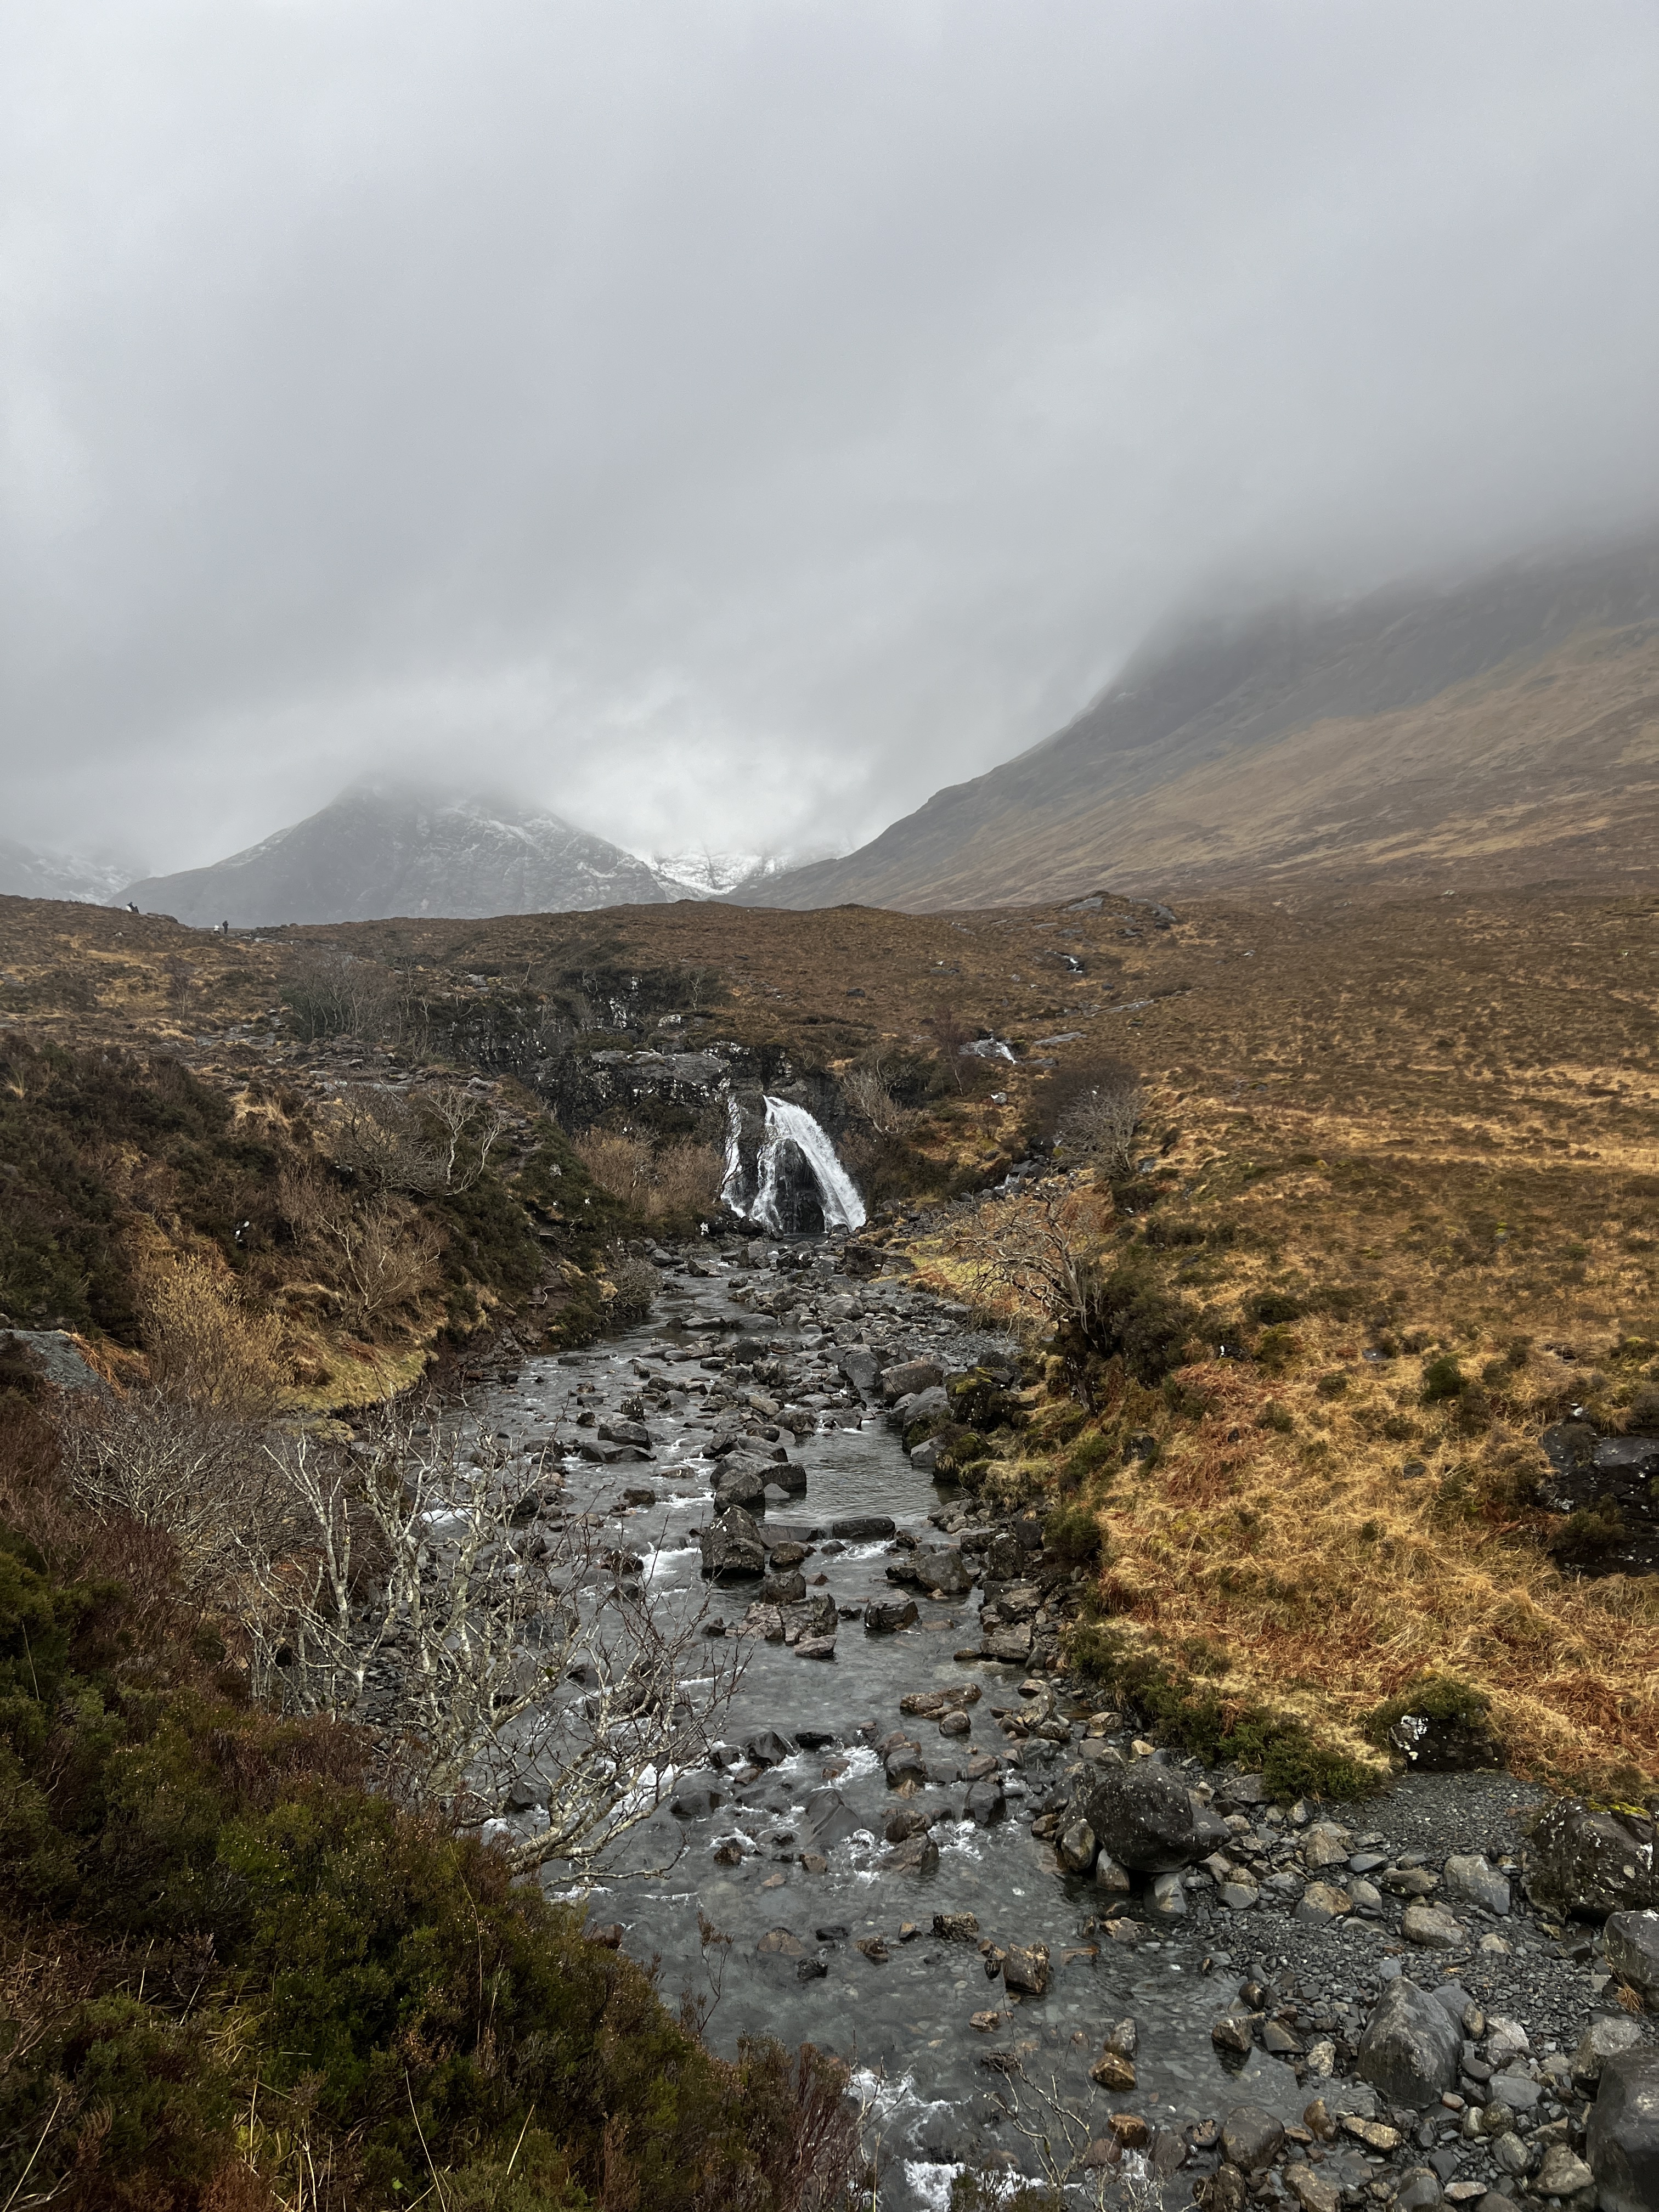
{"points": [[1623, 2136], [1592, 1863]]}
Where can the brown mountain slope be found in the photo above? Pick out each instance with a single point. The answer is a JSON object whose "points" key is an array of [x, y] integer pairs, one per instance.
{"points": [[1504, 732]]}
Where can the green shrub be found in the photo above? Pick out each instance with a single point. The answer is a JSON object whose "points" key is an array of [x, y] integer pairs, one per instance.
{"points": [[246, 1913], [1073, 1535], [979, 1401], [1127, 1315], [1277, 1348], [1443, 1378], [1333, 1385], [1584, 1538], [1274, 1416], [1443, 1697], [1272, 1309]]}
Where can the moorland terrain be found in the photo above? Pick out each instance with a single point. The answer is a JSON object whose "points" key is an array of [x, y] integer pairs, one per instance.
{"points": [[1390, 1213]]}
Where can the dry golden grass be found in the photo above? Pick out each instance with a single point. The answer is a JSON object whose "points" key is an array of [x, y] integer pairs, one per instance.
{"points": [[1443, 1107], [1446, 1116]]}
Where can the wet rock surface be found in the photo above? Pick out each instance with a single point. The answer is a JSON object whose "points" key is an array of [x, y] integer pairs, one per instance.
{"points": [[919, 1850]]}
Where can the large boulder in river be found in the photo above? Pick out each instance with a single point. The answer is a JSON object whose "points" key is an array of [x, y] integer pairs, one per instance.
{"points": [[740, 1481], [731, 1548], [1594, 1864], [1141, 1816], [1411, 2046], [910, 1376], [1623, 2136]]}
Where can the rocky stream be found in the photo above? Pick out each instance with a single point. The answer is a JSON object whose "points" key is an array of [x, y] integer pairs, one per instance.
{"points": [[935, 1856]]}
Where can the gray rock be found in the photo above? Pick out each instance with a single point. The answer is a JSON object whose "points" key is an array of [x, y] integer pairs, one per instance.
{"points": [[860, 1367], [1411, 2046], [1516, 2090], [1623, 2142], [1577, 1860], [1470, 1877], [731, 1548], [1321, 1904], [1074, 1847], [740, 1482], [915, 1855], [931, 1405], [1511, 2153], [1251, 2138], [768, 1748], [1633, 1953], [696, 1802], [1562, 2172], [863, 1528], [1011, 1647], [904, 1762], [1604, 2039], [939, 1569], [1431, 1927], [783, 1589], [1116, 1880], [1419, 2190], [828, 1819], [626, 1432], [909, 1377], [987, 1804], [1025, 1968], [1169, 1898], [886, 1617], [1141, 1816]]}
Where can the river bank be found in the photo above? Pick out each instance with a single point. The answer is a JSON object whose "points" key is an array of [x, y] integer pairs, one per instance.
{"points": [[877, 1861]]}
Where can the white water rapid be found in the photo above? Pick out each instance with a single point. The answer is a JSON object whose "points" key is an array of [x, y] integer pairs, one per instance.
{"points": [[787, 1124]]}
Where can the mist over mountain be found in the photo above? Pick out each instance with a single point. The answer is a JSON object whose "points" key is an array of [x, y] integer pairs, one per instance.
{"points": [[1505, 728], [26, 873], [380, 849]]}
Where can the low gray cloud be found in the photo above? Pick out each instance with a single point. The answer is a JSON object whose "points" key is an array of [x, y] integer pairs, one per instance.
{"points": [[727, 420]]}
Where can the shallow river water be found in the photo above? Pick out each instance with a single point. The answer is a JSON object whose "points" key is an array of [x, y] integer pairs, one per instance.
{"points": [[904, 2023]]}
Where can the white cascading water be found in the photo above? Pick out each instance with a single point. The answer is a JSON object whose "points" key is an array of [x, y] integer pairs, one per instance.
{"points": [[838, 1193]]}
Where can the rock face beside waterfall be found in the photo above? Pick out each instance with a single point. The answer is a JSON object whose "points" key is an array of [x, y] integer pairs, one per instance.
{"points": [[379, 850]]}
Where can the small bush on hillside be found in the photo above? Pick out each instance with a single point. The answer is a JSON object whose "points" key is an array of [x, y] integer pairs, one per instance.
{"points": [[1270, 1309], [1126, 1314], [1443, 1378], [1071, 1534]]}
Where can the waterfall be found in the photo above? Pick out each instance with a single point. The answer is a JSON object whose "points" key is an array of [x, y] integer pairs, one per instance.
{"points": [[787, 1126]]}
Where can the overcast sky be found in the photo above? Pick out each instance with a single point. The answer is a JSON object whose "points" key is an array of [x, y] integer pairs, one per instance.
{"points": [[725, 421]]}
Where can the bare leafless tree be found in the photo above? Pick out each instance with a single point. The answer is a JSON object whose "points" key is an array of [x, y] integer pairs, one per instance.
{"points": [[195, 1472], [867, 1091], [1102, 1122], [1063, 2136], [486, 1654], [1037, 1251], [380, 1256], [422, 1143]]}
